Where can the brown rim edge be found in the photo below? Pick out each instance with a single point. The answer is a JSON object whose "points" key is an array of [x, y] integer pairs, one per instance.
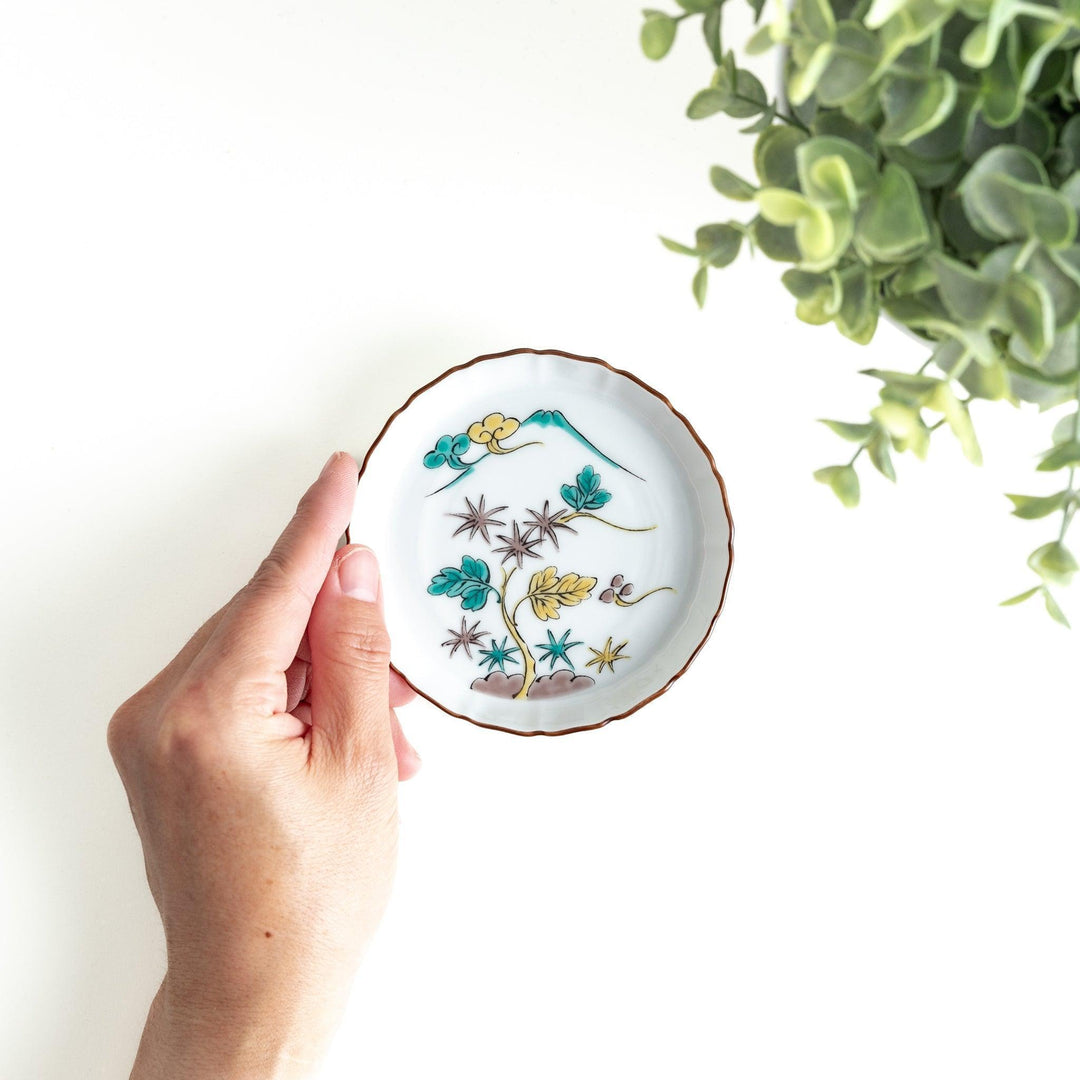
{"points": [[693, 434]]}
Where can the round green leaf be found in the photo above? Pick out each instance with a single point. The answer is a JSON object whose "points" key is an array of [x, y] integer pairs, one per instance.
{"points": [[719, 245], [844, 482], [1007, 196], [776, 242], [1067, 429], [731, 185], [774, 156], [852, 60], [657, 34], [891, 227], [802, 81], [707, 103], [781, 206], [914, 107], [1053, 562]]}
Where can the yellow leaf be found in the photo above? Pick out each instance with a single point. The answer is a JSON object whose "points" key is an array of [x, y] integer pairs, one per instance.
{"points": [[544, 607], [548, 592], [542, 579]]}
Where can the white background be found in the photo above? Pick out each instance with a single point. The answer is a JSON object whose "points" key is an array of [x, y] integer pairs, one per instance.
{"points": [[235, 236]]}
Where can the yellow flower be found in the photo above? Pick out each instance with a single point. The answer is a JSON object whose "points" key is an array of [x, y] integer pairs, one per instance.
{"points": [[607, 655], [492, 429]]}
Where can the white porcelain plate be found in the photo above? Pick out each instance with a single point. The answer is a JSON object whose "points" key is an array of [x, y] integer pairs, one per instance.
{"points": [[555, 541]]}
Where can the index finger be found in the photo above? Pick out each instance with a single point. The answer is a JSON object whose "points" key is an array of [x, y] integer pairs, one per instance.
{"points": [[263, 626]]}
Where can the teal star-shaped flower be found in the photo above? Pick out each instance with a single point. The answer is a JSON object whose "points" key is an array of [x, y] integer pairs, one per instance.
{"points": [[557, 650], [498, 655]]}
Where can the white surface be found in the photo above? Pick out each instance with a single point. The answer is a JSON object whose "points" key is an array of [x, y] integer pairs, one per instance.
{"points": [[664, 483], [235, 236]]}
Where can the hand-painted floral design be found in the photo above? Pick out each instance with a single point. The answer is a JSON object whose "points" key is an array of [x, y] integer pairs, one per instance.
{"points": [[499, 655], [620, 589], [477, 519], [557, 650], [488, 437], [488, 434], [470, 582], [547, 524], [448, 451], [587, 495], [607, 655], [465, 638], [518, 547], [550, 591], [492, 430]]}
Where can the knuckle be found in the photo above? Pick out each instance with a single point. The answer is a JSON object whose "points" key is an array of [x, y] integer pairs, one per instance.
{"points": [[121, 729], [368, 643], [184, 737], [274, 578]]}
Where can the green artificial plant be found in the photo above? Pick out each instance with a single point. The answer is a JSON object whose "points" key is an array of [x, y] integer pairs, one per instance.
{"points": [[921, 161]]}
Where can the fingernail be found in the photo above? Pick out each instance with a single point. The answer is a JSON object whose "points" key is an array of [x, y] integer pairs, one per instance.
{"points": [[358, 575], [329, 461]]}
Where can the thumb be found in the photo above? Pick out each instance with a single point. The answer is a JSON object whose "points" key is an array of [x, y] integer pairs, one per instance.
{"points": [[350, 666]]}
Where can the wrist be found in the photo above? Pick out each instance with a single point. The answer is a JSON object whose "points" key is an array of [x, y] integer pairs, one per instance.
{"points": [[250, 1040]]}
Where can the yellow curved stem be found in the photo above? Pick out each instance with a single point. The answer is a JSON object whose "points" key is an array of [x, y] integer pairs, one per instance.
{"points": [[511, 625], [604, 521], [637, 600], [495, 447]]}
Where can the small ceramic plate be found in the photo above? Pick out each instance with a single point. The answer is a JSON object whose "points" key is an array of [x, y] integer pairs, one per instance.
{"points": [[555, 541]]}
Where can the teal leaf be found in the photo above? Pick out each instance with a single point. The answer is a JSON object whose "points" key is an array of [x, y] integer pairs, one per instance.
{"points": [[572, 496], [474, 598], [475, 568], [588, 480]]}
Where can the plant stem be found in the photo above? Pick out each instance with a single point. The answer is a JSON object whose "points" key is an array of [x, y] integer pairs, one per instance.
{"points": [[604, 521], [1024, 254], [511, 625], [637, 600], [1070, 507], [795, 122]]}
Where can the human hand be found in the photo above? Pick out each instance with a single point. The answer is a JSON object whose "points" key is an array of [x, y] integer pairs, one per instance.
{"points": [[261, 766]]}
